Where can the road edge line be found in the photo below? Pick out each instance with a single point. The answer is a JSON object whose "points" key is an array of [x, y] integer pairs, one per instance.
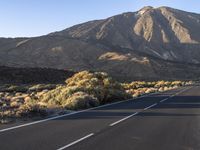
{"points": [[73, 113]]}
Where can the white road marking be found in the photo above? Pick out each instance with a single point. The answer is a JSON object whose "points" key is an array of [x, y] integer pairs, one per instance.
{"points": [[69, 114], [150, 106], [123, 119], [164, 100], [115, 123], [175, 94], [75, 142], [182, 91], [77, 112]]}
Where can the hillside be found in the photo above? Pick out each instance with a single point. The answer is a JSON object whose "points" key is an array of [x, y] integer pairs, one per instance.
{"points": [[152, 43], [10, 75]]}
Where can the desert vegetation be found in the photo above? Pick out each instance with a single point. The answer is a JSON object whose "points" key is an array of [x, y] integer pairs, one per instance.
{"points": [[83, 90], [139, 88]]}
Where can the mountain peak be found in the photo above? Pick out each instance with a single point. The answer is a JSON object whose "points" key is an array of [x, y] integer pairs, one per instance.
{"points": [[158, 41], [145, 9]]}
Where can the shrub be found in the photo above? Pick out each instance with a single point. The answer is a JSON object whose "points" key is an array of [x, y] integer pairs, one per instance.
{"points": [[138, 88], [80, 100], [31, 110], [97, 85], [159, 84], [83, 90], [177, 83], [41, 87]]}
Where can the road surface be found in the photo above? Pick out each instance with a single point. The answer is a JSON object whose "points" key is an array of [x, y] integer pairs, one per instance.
{"points": [[164, 121]]}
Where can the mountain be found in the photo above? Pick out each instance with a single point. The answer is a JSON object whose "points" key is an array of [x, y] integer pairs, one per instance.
{"points": [[152, 43]]}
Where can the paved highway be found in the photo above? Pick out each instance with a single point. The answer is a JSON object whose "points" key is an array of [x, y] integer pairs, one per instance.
{"points": [[164, 121]]}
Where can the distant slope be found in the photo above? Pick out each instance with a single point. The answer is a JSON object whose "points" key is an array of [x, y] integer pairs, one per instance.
{"points": [[152, 43]]}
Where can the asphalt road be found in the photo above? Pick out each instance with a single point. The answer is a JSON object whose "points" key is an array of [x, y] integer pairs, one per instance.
{"points": [[165, 121]]}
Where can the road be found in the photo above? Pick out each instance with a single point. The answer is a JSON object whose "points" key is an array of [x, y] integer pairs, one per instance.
{"points": [[163, 121]]}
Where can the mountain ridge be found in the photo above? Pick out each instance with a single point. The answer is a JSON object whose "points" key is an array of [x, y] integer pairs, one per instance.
{"points": [[158, 41]]}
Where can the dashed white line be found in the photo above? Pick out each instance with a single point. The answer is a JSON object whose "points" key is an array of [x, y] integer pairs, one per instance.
{"points": [[75, 142], [175, 94], [73, 113], [150, 106], [117, 122], [123, 119], [164, 100]]}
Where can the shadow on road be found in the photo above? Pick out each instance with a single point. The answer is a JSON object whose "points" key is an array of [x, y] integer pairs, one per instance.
{"points": [[130, 107]]}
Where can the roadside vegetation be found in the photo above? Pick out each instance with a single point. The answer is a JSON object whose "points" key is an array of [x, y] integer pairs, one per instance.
{"points": [[83, 90], [139, 88]]}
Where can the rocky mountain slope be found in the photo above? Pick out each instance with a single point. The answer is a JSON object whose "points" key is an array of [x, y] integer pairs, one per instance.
{"points": [[152, 43]]}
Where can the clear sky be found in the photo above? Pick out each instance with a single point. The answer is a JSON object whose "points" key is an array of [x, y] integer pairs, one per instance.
{"points": [[25, 18]]}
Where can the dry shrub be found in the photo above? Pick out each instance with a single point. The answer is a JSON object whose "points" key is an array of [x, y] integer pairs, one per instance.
{"points": [[41, 87], [84, 90], [31, 110], [138, 88], [81, 100], [97, 85]]}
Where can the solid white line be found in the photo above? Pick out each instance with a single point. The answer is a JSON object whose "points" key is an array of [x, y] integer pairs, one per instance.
{"points": [[123, 119], [150, 106], [60, 116], [182, 91], [69, 114], [75, 142], [36, 122], [115, 123]]}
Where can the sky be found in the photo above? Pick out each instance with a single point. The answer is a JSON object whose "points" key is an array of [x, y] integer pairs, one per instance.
{"points": [[28, 18]]}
